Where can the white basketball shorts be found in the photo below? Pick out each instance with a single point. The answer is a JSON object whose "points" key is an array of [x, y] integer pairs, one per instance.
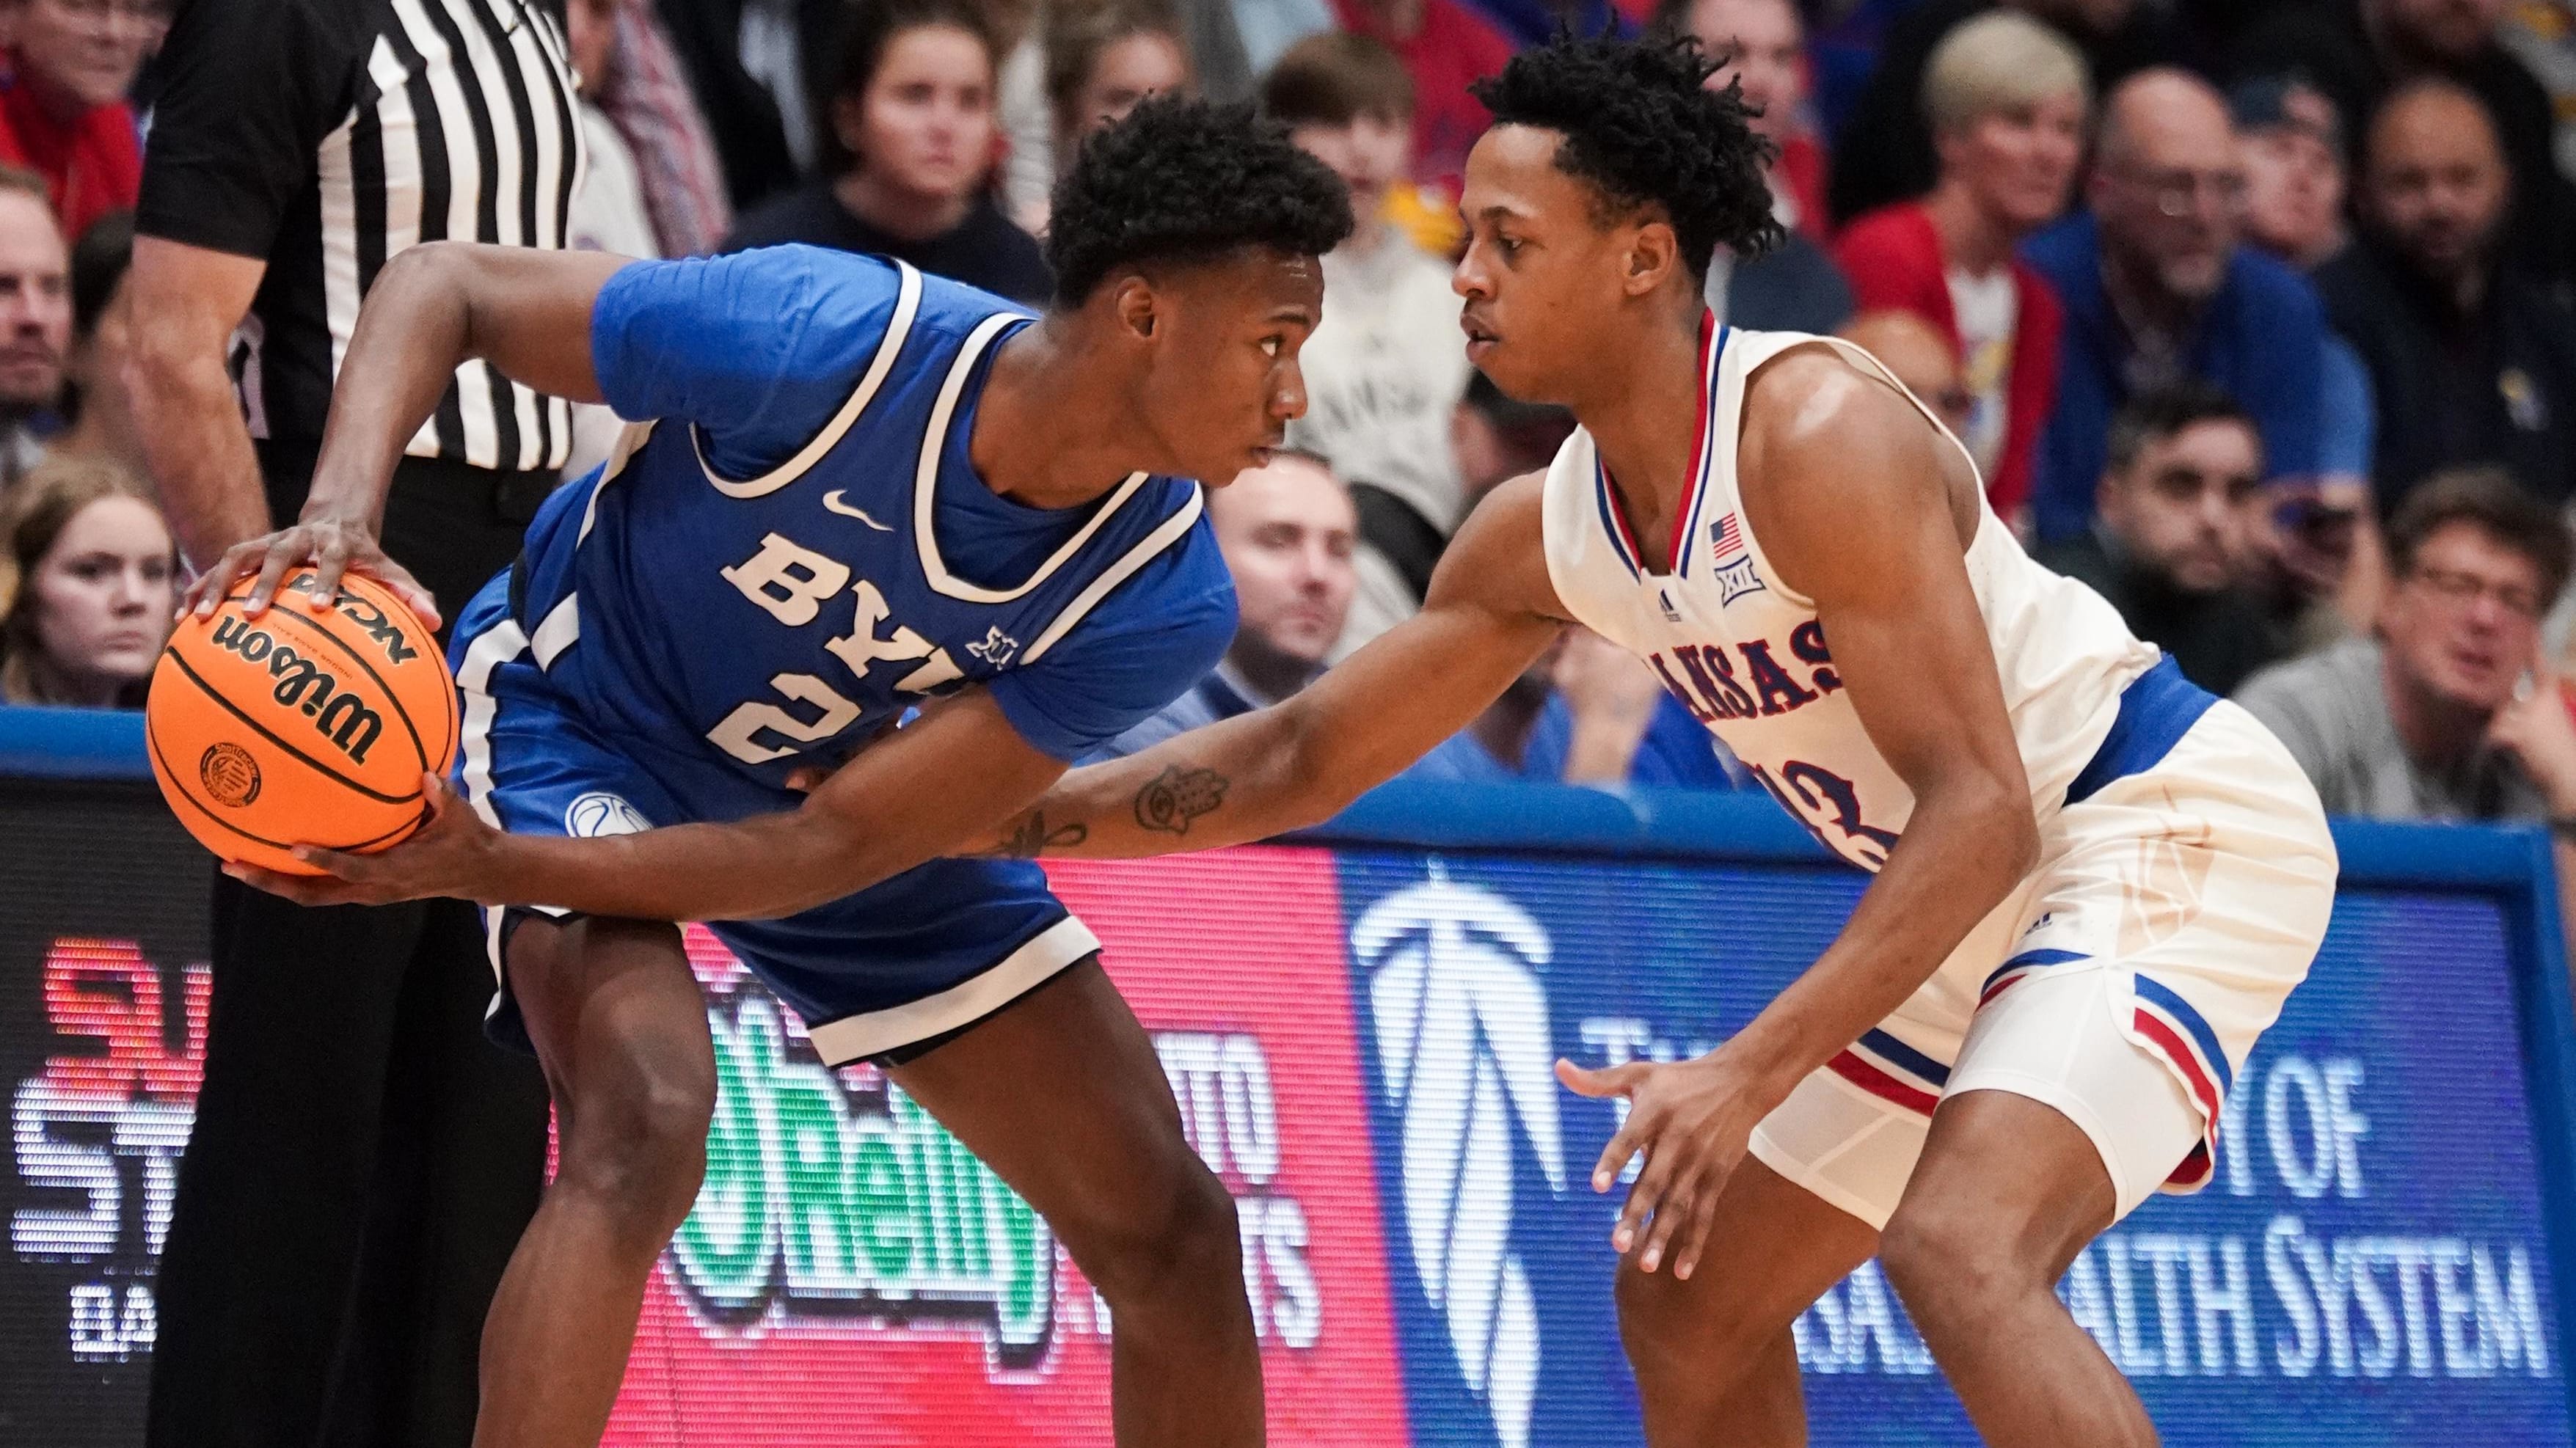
{"points": [[2122, 984]]}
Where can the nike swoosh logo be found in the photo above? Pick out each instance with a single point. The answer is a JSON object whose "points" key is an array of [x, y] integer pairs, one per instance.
{"points": [[832, 500]]}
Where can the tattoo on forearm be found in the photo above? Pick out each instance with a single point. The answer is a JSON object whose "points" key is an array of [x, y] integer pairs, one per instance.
{"points": [[1173, 798], [1028, 837]]}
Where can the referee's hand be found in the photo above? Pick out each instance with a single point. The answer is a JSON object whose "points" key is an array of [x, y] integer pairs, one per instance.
{"points": [[333, 547]]}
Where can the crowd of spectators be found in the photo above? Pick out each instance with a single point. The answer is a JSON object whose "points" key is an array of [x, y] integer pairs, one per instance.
{"points": [[2260, 318]]}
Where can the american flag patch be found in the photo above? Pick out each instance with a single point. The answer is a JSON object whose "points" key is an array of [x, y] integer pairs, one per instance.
{"points": [[1724, 537]]}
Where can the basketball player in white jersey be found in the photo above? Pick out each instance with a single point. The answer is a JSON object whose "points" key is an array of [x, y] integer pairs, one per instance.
{"points": [[2095, 883]]}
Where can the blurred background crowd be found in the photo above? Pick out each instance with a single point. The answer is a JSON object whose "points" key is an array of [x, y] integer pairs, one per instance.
{"points": [[2256, 314]]}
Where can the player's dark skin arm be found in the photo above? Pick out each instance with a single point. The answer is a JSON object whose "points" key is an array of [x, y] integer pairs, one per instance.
{"points": [[1823, 446], [432, 309], [1827, 446], [840, 841], [528, 313], [1491, 612], [1245, 779]]}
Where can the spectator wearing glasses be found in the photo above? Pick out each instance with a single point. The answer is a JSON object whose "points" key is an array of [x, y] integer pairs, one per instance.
{"points": [[62, 110], [87, 583], [2472, 359], [2006, 98], [2447, 714], [2174, 533], [2157, 288]]}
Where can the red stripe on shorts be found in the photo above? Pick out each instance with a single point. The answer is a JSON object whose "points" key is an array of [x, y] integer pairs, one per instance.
{"points": [[1878, 1083], [2172, 1045]]}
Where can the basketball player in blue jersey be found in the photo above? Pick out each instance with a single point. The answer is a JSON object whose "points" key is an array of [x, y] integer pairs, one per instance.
{"points": [[2095, 884], [861, 491]]}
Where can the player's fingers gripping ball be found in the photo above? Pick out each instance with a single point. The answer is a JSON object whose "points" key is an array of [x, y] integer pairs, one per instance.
{"points": [[303, 726]]}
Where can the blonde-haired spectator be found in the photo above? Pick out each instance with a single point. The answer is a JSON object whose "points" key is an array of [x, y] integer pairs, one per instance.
{"points": [[87, 582], [62, 98], [2006, 98]]}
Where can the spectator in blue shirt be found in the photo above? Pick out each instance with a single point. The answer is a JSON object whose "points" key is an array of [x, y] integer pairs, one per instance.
{"points": [[1586, 713], [2157, 288]]}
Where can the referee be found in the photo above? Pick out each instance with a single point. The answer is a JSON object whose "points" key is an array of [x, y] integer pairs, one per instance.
{"points": [[363, 1161]]}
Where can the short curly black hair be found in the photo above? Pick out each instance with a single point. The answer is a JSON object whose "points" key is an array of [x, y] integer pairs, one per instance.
{"points": [[1184, 180], [1643, 128]]}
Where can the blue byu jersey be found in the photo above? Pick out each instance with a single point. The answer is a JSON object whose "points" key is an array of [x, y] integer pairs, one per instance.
{"points": [[795, 551], [798, 548]]}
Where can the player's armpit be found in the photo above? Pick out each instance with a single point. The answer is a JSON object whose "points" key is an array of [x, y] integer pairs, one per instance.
{"points": [[1491, 614]]}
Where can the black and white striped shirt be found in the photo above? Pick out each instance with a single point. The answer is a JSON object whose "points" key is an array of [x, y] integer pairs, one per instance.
{"points": [[323, 137]]}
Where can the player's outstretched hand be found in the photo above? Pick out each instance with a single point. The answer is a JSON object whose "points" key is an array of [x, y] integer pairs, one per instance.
{"points": [[453, 855], [332, 546], [1693, 1120]]}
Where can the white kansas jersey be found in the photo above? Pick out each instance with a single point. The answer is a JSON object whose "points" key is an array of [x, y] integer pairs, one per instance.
{"points": [[1747, 655]]}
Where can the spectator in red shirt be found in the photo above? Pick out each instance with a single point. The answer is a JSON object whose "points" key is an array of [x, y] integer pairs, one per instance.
{"points": [[62, 110], [1445, 48], [2006, 99]]}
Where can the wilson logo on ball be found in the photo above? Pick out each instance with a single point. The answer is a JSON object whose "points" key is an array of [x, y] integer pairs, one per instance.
{"points": [[230, 775], [341, 717]]}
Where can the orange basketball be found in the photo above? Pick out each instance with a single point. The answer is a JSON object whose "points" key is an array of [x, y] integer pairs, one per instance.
{"points": [[302, 726]]}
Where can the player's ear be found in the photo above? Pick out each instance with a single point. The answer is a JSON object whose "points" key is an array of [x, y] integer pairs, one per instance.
{"points": [[1653, 253], [1139, 310]]}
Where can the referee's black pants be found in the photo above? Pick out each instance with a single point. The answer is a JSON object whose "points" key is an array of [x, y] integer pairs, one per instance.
{"points": [[363, 1160]]}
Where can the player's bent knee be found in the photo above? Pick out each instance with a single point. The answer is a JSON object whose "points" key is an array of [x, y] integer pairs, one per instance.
{"points": [[1172, 1257], [1943, 1255], [639, 1144], [1694, 1336]]}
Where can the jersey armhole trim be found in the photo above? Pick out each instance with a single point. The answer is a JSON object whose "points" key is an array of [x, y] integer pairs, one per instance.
{"points": [[907, 304], [1858, 356], [925, 485], [1172, 530]]}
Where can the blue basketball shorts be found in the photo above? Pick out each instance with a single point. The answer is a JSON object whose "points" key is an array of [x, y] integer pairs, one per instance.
{"points": [[932, 950]]}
